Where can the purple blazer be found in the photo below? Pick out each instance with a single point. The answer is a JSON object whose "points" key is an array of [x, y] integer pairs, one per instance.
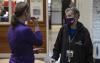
{"points": [[21, 41]]}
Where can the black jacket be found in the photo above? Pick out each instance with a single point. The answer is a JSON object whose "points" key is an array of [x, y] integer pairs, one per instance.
{"points": [[81, 45]]}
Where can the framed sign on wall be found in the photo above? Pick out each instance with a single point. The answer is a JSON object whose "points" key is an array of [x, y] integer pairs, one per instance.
{"points": [[36, 9]]}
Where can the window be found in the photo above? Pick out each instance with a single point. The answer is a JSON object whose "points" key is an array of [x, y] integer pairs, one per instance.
{"points": [[7, 9]]}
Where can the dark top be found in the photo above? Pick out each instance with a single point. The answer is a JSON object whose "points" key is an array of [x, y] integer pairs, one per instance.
{"points": [[21, 41], [80, 44]]}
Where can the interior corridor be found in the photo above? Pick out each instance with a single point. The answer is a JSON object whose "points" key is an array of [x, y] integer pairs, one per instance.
{"points": [[52, 34]]}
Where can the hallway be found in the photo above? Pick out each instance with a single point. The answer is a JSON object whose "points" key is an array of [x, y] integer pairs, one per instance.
{"points": [[7, 61], [52, 34]]}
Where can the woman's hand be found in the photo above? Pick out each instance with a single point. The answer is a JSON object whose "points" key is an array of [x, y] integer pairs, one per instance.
{"points": [[38, 50], [35, 23]]}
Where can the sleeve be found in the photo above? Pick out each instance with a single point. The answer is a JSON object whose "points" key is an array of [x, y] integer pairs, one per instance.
{"points": [[88, 48], [57, 46], [32, 38], [38, 38]]}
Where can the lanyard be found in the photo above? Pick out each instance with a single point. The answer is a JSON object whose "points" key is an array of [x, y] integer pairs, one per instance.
{"points": [[69, 52]]}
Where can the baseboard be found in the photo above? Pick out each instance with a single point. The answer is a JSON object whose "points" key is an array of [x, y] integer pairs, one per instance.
{"points": [[7, 55], [97, 60]]}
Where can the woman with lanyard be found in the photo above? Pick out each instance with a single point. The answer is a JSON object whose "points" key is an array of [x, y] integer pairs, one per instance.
{"points": [[73, 41]]}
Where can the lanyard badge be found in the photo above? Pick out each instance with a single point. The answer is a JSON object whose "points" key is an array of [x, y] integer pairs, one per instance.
{"points": [[69, 54]]}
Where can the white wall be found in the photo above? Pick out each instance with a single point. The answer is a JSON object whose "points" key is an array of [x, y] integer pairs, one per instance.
{"points": [[96, 28], [20, 1], [85, 8], [91, 19]]}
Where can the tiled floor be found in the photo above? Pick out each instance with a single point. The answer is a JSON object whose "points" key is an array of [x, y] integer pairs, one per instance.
{"points": [[7, 61], [52, 38]]}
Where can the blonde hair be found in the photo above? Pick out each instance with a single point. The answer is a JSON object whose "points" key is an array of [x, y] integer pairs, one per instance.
{"points": [[75, 11]]}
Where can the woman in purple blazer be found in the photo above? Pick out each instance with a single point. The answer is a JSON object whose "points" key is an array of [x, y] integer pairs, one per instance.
{"points": [[20, 36]]}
